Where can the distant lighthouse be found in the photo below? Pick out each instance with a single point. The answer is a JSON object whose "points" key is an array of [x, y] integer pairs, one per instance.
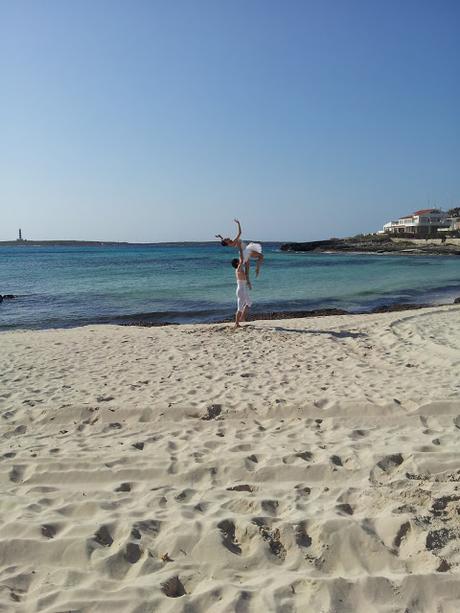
{"points": [[20, 236]]}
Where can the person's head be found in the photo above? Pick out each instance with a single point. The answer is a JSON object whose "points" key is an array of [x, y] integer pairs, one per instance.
{"points": [[235, 262], [225, 242]]}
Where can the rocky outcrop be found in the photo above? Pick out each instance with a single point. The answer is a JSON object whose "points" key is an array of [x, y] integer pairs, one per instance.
{"points": [[6, 297], [333, 243], [373, 244]]}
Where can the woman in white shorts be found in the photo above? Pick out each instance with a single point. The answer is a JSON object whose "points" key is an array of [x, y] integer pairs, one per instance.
{"points": [[250, 250], [243, 299]]}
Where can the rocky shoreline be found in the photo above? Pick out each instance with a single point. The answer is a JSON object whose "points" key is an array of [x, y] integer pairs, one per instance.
{"points": [[374, 244], [277, 315]]}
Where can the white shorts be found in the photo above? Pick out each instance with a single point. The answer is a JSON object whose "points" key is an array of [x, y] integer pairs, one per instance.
{"points": [[250, 247], [242, 295]]}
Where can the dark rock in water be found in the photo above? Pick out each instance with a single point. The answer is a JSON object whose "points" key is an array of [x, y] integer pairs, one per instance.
{"points": [[7, 297], [1, 298], [457, 300]]}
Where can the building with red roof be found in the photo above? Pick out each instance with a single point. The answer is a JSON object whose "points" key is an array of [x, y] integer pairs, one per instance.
{"points": [[421, 224]]}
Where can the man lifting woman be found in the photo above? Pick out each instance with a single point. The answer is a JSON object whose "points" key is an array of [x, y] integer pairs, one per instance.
{"points": [[247, 252]]}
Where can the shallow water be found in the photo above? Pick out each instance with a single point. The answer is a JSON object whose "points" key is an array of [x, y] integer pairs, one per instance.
{"points": [[66, 286]]}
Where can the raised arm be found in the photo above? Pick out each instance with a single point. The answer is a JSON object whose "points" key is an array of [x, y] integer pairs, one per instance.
{"points": [[239, 229], [240, 249]]}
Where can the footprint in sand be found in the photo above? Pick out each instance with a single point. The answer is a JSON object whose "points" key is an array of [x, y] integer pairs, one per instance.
{"points": [[227, 528], [301, 536], [132, 553], [272, 537], [103, 537], [49, 531], [173, 588], [16, 474], [270, 506]]}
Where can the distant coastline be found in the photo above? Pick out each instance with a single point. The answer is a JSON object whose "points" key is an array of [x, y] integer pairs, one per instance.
{"points": [[366, 244], [378, 244], [78, 243]]}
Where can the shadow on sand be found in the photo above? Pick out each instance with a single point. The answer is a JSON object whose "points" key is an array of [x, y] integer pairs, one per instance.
{"points": [[334, 333]]}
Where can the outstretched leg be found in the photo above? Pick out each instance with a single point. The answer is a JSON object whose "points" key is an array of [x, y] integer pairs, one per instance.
{"points": [[260, 259]]}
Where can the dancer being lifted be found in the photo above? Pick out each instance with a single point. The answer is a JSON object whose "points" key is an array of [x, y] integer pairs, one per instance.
{"points": [[250, 250]]}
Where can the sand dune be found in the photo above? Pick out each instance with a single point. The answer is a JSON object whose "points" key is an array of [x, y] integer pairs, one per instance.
{"points": [[307, 465]]}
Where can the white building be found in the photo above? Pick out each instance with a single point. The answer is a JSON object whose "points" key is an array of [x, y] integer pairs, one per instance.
{"points": [[425, 222], [453, 227]]}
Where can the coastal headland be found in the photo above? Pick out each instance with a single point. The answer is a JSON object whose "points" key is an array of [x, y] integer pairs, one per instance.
{"points": [[301, 464], [73, 243], [369, 243], [372, 243]]}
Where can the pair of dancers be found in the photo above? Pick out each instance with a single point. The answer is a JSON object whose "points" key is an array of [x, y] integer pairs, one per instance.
{"points": [[247, 251]]}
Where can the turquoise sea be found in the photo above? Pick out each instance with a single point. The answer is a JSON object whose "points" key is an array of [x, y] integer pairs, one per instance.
{"points": [[69, 286]]}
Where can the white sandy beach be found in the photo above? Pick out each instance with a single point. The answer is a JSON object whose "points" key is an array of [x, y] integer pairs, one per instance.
{"points": [[297, 465]]}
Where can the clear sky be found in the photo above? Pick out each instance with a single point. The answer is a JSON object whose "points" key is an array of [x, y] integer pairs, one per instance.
{"points": [[162, 120]]}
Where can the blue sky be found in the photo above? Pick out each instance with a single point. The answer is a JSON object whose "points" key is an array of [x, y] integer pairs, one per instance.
{"points": [[163, 120]]}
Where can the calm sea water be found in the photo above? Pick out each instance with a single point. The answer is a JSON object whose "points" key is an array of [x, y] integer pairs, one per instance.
{"points": [[67, 286]]}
